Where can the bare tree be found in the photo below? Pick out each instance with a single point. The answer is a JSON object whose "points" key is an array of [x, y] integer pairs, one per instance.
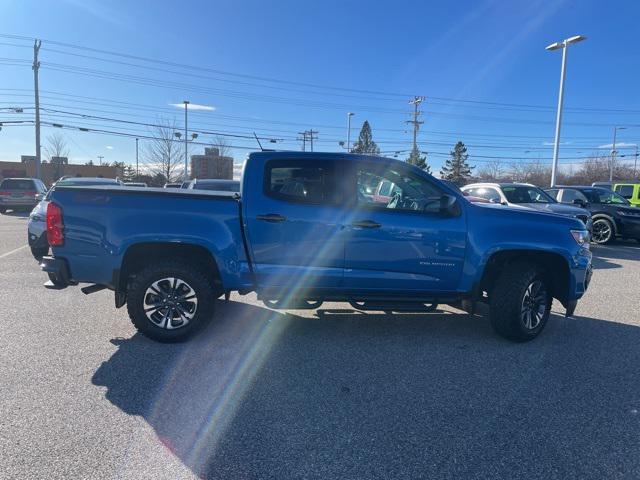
{"points": [[223, 145], [492, 170], [56, 146], [163, 153]]}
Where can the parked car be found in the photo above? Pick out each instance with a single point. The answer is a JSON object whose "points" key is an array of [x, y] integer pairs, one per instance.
{"points": [[168, 255], [134, 184], [528, 196], [630, 191], [471, 198], [36, 228], [605, 185], [220, 185], [612, 214], [172, 185], [20, 193]]}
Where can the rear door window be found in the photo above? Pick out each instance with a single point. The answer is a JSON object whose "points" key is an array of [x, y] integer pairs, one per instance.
{"points": [[569, 195], [625, 191], [303, 181]]}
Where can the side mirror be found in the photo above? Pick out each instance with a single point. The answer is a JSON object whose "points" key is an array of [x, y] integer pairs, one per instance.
{"points": [[449, 206], [580, 203]]}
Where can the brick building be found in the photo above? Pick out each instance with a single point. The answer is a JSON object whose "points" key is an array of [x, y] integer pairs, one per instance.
{"points": [[50, 172], [211, 165]]}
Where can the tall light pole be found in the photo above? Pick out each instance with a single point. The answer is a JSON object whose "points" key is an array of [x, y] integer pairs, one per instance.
{"points": [[613, 151], [186, 160], [137, 174], [635, 163], [564, 45], [349, 115]]}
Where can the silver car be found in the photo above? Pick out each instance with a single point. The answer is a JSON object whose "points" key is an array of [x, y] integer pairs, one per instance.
{"points": [[37, 226], [20, 193]]}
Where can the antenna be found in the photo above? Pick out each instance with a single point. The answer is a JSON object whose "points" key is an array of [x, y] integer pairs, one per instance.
{"points": [[258, 140]]}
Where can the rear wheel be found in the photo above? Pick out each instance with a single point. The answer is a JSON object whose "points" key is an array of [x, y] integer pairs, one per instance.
{"points": [[520, 303], [602, 231], [171, 301]]}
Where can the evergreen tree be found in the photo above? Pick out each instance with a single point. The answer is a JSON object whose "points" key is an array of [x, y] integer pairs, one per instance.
{"points": [[456, 169], [365, 143], [418, 160]]}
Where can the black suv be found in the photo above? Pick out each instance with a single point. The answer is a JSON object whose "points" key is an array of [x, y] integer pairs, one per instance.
{"points": [[613, 216]]}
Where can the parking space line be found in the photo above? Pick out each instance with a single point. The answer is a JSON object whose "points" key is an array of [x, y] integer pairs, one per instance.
{"points": [[13, 251]]}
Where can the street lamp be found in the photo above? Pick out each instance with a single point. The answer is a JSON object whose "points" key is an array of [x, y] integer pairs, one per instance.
{"points": [[564, 45], [349, 115], [186, 161], [613, 151]]}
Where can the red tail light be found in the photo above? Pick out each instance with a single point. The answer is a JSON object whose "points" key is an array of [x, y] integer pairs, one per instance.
{"points": [[55, 226], [4, 194], [30, 193]]}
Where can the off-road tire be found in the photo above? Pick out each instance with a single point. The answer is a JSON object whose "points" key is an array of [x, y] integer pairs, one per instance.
{"points": [[506, 302], [189, 273]]}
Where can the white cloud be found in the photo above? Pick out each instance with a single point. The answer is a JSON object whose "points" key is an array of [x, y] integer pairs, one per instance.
{"points": [[109, 147], [618, 145], [193, 106]]}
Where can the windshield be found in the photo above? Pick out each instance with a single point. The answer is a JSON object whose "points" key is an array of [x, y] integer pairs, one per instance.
{"points": [[526, 194], [78, 183]]}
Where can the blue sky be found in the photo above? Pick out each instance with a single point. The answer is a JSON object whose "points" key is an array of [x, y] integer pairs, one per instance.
{"points": [[450, 52]]}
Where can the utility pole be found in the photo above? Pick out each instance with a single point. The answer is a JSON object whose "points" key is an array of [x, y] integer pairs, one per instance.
{"points": [[137, 174], [613, 151], [36, 67], [100, 157], [415, 122], [635, 163], [186, 160], [304, 140], [311, 134]]}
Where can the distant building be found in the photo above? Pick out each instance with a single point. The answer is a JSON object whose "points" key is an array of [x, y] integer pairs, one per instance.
{"points": [[211, 165], [50, 172]]}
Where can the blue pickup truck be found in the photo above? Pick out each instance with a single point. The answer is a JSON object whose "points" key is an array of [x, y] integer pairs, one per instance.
{"points": [[311, 227]]}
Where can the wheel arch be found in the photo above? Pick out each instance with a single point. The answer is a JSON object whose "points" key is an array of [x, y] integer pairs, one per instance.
{"points": [[555, 266], [139, 255]]}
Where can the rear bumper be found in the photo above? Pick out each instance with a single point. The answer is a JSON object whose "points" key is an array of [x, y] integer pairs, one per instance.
{"points": [[37, 241], [18, 202], [58, 269]]}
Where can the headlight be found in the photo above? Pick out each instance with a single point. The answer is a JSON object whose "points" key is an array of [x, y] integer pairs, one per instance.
{"points": [[627, 213], [581, 237]]}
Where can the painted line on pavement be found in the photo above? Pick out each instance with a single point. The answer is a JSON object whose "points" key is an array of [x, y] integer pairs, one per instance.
{"points": [[13, 251]]}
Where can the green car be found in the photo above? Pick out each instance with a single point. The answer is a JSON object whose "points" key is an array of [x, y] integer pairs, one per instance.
{"points": [[630, 191]]}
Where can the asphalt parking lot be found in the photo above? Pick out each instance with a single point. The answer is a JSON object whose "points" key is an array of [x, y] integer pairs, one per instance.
{"points": [[333, 393]]}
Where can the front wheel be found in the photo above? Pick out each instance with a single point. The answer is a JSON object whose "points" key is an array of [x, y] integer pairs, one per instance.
{"points": [[520, 303], [170, 301], [602, 231]]}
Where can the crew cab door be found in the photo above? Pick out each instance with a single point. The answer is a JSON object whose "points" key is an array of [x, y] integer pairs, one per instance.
{"points": [[405, 244], [295, 225]]}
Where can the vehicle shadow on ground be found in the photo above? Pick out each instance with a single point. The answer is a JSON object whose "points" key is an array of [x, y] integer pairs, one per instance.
{"points": [[264, 394], [17, 213], [604, 256]]}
